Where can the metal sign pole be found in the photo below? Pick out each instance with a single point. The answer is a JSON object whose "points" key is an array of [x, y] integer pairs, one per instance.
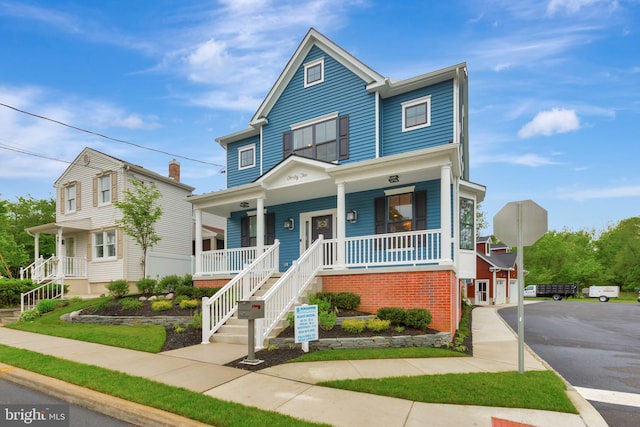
{"points": [[520, 262]]}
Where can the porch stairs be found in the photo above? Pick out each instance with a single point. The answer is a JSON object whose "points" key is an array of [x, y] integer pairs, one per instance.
{"points": [[236, 331], [9, 315]]}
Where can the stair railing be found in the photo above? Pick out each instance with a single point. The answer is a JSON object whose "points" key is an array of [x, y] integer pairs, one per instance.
{"points": [[279, 299], [51, 290], [224, 303]]}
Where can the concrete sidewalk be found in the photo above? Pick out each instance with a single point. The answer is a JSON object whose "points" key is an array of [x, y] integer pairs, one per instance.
{"points": [[290, 389]]}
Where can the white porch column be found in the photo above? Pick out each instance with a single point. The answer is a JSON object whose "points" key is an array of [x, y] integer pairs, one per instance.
{"points": [[342, 224], [59, 255], [198, 216], [260, 225], [445, 213], [36, 247]]}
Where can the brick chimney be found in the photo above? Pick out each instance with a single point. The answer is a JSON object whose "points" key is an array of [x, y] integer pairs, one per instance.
{"points": [[174, 170]]}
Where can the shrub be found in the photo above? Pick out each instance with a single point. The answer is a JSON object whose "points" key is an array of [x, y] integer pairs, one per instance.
{"points": [[146, 286], [169, 283], [378, 325], [326, 320], [47, 305], [291, 318], [29, 315], [10, 290], [186, 280], [324, 305], [130, 304], [418, 318], [196, 320], [353, 326], [346, 301], [101, 305], [189, 303], [118, 288], [161, 305], [394, 314], [195, 293]]}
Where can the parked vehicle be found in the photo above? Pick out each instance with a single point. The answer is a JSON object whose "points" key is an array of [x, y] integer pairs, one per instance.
{"points": [[638, 295], [555, 291], [603, 293]]}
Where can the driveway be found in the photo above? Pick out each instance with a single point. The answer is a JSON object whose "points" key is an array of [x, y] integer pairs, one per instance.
{"points": [[595, 346]]}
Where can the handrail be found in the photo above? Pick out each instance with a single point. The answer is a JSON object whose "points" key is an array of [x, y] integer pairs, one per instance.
{"points": [[227, 261], [51, 290], [40, 269], [221, 306], [279, 299]]}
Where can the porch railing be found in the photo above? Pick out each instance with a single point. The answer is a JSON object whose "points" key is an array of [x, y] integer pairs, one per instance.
{"points": [[391, 249], [221, 306], [283, 294], [74, 266], [39, 270], [227, 261], [51, 290]]}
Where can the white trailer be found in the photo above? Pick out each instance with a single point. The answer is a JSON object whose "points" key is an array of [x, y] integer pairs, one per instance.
{"points": [[603, 293]]}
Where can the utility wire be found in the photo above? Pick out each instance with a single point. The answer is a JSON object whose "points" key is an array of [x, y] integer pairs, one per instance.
{"points": [[106, 136]]}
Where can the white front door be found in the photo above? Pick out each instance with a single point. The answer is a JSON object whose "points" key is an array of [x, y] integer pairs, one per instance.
{"points": [[482, 292], [313, 224], [513, 291], [501, 291]]}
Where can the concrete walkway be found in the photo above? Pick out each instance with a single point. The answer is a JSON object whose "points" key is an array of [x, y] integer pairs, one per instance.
{"points": [[290, 389]]}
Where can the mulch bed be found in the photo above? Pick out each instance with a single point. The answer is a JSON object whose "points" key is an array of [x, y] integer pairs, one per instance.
{"points": [[271, 357]]}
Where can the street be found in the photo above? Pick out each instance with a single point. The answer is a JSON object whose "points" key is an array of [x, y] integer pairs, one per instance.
{"points": [[594, 346], [11, 393]]}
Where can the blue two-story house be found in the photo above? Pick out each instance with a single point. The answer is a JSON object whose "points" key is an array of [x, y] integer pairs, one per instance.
{"points": [[346, 177]]}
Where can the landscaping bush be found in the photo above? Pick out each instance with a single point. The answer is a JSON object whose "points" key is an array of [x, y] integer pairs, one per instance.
{"points": [[10, 290], [324, 305], [186, 280], [118, 288], [418, 318], [146, 286], [353, 326], [189, 303], [195, 293], [196, 320], [47, 305], [168, 283], [130, 304], [394, 314], [161, 305], [327, 320], [378, 325], [29, 315], [346, 301]]}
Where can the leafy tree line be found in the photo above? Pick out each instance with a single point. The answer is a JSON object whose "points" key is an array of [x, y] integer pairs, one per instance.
{"points": [[584, 257], [16, 245]]}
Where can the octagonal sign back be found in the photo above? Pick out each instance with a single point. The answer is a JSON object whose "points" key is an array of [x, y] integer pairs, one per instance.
{"points": [[534, 223]]}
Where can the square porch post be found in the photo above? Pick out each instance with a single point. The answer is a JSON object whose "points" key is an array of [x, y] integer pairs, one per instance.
{"points": [[445, 214]]}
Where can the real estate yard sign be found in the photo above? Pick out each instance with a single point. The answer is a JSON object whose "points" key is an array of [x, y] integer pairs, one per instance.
{"points": [[306, 325]]}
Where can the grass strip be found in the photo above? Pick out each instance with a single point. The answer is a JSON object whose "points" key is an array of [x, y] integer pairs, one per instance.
{"points": [[177, 400], [148, 338], [531, 390], [376, 353]]}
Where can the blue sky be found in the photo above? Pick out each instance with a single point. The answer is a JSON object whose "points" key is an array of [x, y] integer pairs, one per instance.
{"points": [[554, 87]]}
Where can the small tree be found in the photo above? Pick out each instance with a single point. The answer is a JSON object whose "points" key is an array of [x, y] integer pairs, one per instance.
{"points": [[139, 215]]}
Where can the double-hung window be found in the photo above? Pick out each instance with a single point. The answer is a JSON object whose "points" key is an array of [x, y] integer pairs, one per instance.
{"points": [[314, 72], [104, 243], [70, 197], [323, 138], [247, 157], [467, 224], [401, 210], [416, 114], [104, 189]]}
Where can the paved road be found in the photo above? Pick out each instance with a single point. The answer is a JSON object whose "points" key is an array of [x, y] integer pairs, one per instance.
{"points": [[11, 393], [595, 346]]}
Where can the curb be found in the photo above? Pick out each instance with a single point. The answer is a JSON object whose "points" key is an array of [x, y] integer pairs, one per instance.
{"points": [[124, 410]]}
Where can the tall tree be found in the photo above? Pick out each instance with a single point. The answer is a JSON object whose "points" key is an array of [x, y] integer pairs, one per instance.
{"points": [[28, 212], [139, 216], [618, 254], [12, 255]]}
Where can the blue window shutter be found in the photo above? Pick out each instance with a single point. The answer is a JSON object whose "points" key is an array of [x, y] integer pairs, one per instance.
{"points": [[343, 137], [287, 144], [379, 214], [420, 202]]}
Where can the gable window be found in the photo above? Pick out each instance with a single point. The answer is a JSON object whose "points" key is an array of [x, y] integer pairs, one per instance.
{"points": [[467, 224], [104, 244], [325, 138], [314, 72], [70, 197], [401, 210], [247, 157], [104, 189], [416, 114]]}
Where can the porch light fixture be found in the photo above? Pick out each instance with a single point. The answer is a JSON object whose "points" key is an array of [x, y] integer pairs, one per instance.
{"points": [[352, 216], [244, 204], [288, 223], [393, 179]]}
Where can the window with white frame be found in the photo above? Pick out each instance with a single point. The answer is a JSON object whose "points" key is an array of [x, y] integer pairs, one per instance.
{"points": [[416, 114], [104, 189], [467, 224], [70, 197], [314, 72], [104, 244], [247, 157]]}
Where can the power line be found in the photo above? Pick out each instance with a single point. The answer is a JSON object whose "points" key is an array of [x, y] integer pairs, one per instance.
{"points": [[107, 137]]}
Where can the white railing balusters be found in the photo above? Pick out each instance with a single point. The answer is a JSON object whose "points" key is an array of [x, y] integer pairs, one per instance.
{"points": [[221, 306], [51, 290], [227, 261]]}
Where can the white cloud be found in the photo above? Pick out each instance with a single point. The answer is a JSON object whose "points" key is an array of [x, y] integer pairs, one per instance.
{"points": [[551, 122], [529, 159], [574, 6], [601, 193]]}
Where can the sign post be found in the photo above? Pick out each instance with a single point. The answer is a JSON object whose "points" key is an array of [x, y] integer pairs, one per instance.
{"points": [[251, 310], [520, 224], [306, 325]]}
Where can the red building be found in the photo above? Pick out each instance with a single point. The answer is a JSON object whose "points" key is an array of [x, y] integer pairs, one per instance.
{"points": [[496, 279]]}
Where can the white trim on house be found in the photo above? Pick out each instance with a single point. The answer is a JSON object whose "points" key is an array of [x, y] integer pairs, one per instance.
{"points": [[241, 150], [313, 64], [414, 103], [314, 120]]}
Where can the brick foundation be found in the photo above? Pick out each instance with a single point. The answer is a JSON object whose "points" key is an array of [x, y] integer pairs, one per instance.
{"points": [[210, 283], [434, 290]]}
